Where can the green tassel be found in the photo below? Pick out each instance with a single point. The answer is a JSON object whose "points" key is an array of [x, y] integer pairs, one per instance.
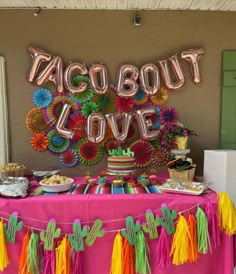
{"points": [[33, 259], [141, 252], [203, 238]]}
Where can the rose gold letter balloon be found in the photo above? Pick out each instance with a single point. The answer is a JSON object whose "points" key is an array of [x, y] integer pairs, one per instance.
{"points": [[69, 72], [60, 125], [127, 85], [38, 57], [193, 55], [149, 73], [100, 87], [112, 121], [53, 72], [99, 118], [145, 124], [165, 72]]}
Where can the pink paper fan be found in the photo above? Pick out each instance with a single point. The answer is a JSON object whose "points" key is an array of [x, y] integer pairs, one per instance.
{"points": [[142, 152], [169, 115]]}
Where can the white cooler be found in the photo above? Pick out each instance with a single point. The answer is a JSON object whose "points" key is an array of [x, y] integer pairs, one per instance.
{"points": [[220, 171]]}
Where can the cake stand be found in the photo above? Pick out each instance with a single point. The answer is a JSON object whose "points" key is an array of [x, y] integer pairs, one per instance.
{"points": [[180, 153]]}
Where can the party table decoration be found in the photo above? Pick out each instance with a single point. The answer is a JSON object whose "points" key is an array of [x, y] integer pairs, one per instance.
{"points": [[106, 102], [169, 115], [193, 254], [49, 236], [163, 249], [76, 239], [34, 253], [124, 104], [42, 97], [168, 219], [94, 232], [23, 260], [4, 262], [77, 124], [130, 232], [63, 264], [140, 98], [12, 227], [88, 108], [151, 224]]}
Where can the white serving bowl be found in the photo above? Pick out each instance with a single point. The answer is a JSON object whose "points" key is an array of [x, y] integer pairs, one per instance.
{"points": [[57, 188]]}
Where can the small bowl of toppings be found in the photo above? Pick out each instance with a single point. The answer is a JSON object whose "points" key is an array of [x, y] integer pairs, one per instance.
{"points": [[56, 183]]}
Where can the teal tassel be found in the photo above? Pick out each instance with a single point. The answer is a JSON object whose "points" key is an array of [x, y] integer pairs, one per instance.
{"points": [[33, 259], [203, 238], [142, 265]]}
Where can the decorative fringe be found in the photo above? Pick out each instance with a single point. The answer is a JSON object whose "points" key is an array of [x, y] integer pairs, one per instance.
{"points": [[202, 232], [227, 214], [49, 262], [163, 249], [4, 260], [142, 265], [63, 257], [34, 255], [193, 254], [23, 266], [179, 248], [76, 262], [213, 224], [128, 258], [116, 259]]}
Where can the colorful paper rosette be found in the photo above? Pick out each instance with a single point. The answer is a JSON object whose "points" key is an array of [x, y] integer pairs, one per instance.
{"points": [[106, 102], [140, 98], [35, 121], [161, 97], [142, 152], [69, 158], [89, 153], [156, 118], [161, 155], [111, 144], [56, 143], [88, 108], [42, 97], [39, 142], [133, 132], [84, 96], [77, 124], [169, 115], [124, 104], [53, 111]]}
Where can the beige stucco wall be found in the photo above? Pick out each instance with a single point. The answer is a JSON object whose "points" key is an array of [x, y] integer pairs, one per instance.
{"points": [[110, 37]]}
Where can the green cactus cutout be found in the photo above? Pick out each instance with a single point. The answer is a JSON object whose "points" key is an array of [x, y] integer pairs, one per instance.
{"points": [[95, 232], [121, 152], [76, 239], [50, 234], [128, 152], [168, 219], [131, 230], [12, 227], [151, 225]]}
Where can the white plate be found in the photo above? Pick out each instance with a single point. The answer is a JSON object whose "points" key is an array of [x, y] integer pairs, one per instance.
{"points": [[57, 188]]}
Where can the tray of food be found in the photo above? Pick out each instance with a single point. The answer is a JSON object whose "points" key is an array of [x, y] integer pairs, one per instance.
{"points": [[56, 183], [14, 186], [183, 187]]}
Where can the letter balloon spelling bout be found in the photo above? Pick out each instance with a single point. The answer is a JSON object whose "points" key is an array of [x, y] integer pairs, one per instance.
{"points": [[149, 73]]}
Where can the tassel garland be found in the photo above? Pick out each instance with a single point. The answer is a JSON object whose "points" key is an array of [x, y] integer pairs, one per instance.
{"points": [[4, 260], [63, 257], [128, 257], [163, 249], [193, 254], [76, 262], [49, 262], [23, 266], [116, 259], [33, 254]]}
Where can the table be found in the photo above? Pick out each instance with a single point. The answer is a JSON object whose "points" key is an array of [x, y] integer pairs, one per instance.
{"points": [[35, 212]]}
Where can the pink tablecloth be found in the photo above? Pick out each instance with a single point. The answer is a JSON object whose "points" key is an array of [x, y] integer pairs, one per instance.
{"points": [[35, 212]]}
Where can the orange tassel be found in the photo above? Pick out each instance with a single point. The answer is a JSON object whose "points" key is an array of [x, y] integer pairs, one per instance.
{"points": [[193, 254], [128, 258], [24, 255]]}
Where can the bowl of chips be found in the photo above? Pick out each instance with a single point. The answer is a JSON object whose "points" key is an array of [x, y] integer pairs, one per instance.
{"points": [[12, 170], [56, 183]]}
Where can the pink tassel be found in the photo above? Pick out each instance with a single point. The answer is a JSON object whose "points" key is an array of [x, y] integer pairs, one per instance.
{"points": [[213, 224], [76, 264], [163, 249], [49, 262]]}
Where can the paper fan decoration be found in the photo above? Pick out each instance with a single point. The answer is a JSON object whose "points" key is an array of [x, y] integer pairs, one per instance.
{"points": [[111, 144], [106, 102], [140, 98], [89, 153], [84, 96], [88, 108], [57, 143], [35, 121], [142, 152], [156, 118], [53, 111], [169, 115], [42, 97], [69, 158], [161, 97], [39, 142], [161, 156], [133, 132], [78, 123], [124, 104]]}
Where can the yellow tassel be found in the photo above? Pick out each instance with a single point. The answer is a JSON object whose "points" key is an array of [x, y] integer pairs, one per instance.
{"points": [[116, 260], [4, 261], [180, 244], [62, 254], [227, 214]]}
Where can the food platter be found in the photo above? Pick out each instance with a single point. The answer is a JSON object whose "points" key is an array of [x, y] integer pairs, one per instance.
{"points": [[183, 187], [56, 186]]}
